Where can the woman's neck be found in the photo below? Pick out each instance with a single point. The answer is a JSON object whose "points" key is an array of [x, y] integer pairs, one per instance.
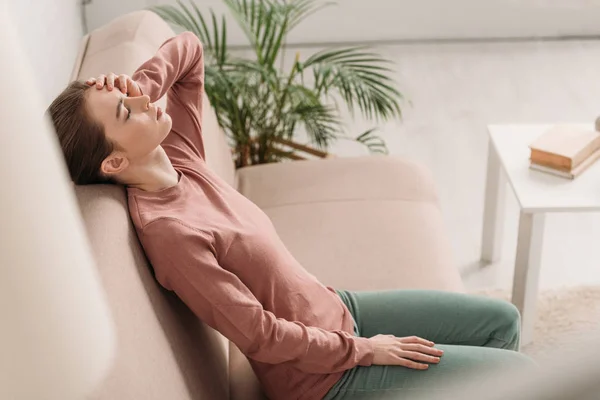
{"points": [[151, 174]]}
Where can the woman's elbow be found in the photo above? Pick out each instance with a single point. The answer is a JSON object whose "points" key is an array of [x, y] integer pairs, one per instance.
{"points": [[192, 40]]}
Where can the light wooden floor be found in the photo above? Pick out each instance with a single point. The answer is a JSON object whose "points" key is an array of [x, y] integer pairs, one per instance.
{"points": [[456, 89]]}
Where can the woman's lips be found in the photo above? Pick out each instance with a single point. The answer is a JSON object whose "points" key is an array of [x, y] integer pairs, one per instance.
{"points": [[159, 112]]}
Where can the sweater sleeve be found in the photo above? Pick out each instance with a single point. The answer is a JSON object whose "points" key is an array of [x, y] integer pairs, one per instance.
{"points": [[218, 297], [177, 69]]}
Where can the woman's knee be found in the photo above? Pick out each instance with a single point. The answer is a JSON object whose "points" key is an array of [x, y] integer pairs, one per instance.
{"points": [[507, 319]]}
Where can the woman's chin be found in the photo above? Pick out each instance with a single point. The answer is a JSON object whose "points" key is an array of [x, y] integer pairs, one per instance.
{"points": [[165, 123]]}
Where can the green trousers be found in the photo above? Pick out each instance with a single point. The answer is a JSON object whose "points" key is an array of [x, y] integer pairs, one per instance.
{"points": [[476, 334]]}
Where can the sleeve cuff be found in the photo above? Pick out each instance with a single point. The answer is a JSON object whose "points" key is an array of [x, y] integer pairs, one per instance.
{"points": [[366, 351]]}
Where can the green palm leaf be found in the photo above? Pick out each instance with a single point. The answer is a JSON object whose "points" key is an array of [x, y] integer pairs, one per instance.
{"points": [[361, 78], [257, 20], [374, 143], [305, 109], [214, 41], [320, 122], [266, 23], [302, 9]]}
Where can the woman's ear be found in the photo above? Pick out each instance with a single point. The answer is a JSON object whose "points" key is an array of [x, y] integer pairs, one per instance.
{"points": [[114, 164]]}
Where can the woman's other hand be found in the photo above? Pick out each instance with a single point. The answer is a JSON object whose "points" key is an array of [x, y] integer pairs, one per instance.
{"points": [[405, 351], [122, 82]]}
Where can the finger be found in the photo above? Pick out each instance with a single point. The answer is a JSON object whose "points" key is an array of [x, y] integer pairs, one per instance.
{"points": [[123, 83], [133, 88], [421, 348], [110, 81], [413, 355], [91, 81], [416, 339], [100, 81], [411, 364]]}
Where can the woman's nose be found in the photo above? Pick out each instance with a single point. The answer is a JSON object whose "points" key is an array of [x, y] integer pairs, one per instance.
{"points": [[140, 102], [145, 101]]}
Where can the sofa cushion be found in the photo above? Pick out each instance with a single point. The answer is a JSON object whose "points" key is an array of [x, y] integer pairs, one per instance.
{"points": [[365, 223]]}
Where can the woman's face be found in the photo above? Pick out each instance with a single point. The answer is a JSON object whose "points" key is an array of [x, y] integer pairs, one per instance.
{"points": [[137, 126]]}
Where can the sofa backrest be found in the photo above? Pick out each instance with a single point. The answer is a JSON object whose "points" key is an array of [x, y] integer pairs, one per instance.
{"points": [[163, 350]]}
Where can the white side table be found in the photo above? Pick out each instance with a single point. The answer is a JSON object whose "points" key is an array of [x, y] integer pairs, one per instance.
{"points": [[537, 193]]}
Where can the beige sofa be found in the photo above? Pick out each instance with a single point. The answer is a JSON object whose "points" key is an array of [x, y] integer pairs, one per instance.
{"points": [[364, 223]]}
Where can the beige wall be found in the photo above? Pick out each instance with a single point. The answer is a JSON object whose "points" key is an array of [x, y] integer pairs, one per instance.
{"points": [[355, 20], [50, 30]]}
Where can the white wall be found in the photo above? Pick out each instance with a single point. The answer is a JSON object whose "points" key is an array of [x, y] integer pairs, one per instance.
{"points": [[50, 32], [368, 20]]}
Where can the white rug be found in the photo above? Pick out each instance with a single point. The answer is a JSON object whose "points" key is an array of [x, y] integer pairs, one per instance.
{"points": [[562, 316]]}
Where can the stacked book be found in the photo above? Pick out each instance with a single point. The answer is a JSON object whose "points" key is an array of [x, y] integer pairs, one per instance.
{"points": [[565, 151]]}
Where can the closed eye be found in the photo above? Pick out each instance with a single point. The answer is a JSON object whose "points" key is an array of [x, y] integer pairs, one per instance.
{"points": [[120, 105]]}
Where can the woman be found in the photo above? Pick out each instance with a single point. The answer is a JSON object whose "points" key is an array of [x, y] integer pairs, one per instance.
{"points": [[222, 256]]}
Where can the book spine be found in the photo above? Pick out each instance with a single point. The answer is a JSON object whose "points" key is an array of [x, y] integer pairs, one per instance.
{"points": [[551, 159]]}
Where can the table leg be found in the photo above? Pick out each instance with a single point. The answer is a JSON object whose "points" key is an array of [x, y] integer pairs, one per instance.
{"points": [[493, 214], [527, 270]]}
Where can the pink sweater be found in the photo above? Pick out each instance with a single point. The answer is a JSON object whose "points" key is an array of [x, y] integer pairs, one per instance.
{"points": [[223, 258]]}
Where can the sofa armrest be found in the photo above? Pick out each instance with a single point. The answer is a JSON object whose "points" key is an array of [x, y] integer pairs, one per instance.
{"points": [[336, 179], [358, 223]]}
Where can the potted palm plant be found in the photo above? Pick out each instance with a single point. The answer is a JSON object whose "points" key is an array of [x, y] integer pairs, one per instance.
{"points": [[260, 105]]}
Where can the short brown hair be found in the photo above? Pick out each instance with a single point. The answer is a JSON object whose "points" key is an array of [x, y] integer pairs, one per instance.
{"points": [[82, 139]]}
